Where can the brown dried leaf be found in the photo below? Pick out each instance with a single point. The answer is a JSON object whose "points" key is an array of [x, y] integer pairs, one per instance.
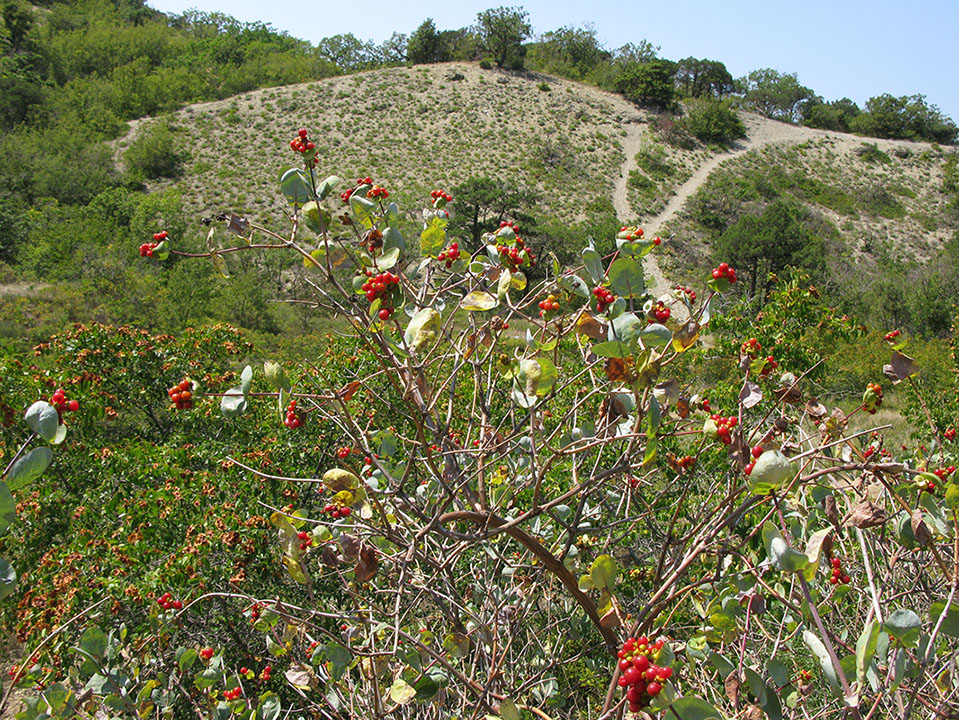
{"points": [[238, 225], [682, 407], [368, 564], [832, 511], [753, 712], [815, 409], [619, 369], [684, 338], [920, 529], [347, 392], [349, 545], [732, 685], [589, 326], [866, 515], [301, 676], [751, 395], [610, 620], [902, 366], [328, 556]]}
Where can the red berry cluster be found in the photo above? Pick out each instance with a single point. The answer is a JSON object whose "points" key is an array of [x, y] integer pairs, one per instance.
{"points": [[265, 675], [303, 145], [60, 402], [181, 395], [346, 194], [450, 255], [550, 304], [255, 610], [681, 290], [344, 452], [724, 271], [167, 602], [232, 694], [950, 434], [631, 232], [686, 462], [604, 298], [705, 404], [206, 653], [838, 576], [440, 198], [517, 255], [377, 192], [891, 336], [336, 511], [376, 287], [943, 473], [756, 452], [658, 313], [723, 427], [146, 249], [640, 677], [751, 348], [306, 540], [770, 365], [872, 398], [292, 419]]}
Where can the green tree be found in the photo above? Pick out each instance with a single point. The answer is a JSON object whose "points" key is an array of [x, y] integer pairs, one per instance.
{"points": [[905, 118], [699, 78], [776, 95], [571, 52], [501, 33], [758, 245], [483, 202], [648, 83], [17, 20], [713, 121], [836, 115], [426, 45], [153, 154], [347, 52]]}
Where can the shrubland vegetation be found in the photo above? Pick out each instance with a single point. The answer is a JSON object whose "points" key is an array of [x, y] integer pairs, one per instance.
{"points": [[494, 490]]}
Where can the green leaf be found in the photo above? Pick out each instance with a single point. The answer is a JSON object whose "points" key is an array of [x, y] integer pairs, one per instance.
{"points": [[219, 264], [233, 404], [950, 626], [432, 239], [655, 335], [904, 625], [8, 508], [509, 711], [326, 187], [270, 707], [246, 380], [43, 419], [866, 649], [295, 186], [779, 552], [814, 551], [626, 328], [388, 259], [94, 642], [340, 659], [626, 277], [186, 659], [594, 264], [825, 664], [393, 239], [479, 300], [574, 284], [423, 330], [161, 251], [547, 375], [603, 572], [276, 376], [690, 708], [613, 349], [426, 687], [24, 471], [771, 471], [8, 578], [362, 208], [401, 692], [316, 218]]}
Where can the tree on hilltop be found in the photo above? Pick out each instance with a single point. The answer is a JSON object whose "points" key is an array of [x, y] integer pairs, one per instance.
{"points": [[427, 45], [501, 32]]}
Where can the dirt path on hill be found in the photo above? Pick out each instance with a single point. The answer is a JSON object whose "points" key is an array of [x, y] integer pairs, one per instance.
{"points": [[760, 131]]}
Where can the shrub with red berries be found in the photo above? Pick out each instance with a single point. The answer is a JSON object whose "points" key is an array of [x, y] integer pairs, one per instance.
{"points": [[303, 145], [604, 298], [639, 676], [750, 348], [450, 255], [838, 576], [360, 183], [890, 337], [872, 398], [511, 248], [377, 192], [292, 419], [384, 289], [720, 428], [658, 313], [167, 602], [722, 274], [181, 395], [62, 404], [440, 198], [549, 305], [685, 293], [148, 249], [337, 510]]}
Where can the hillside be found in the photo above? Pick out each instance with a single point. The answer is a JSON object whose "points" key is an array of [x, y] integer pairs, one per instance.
{"points": [[435, 126]]}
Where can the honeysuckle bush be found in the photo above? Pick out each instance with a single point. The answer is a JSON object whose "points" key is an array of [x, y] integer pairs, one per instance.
{"points": [[519, 498]]}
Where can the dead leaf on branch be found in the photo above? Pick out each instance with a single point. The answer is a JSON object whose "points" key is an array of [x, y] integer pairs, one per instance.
{"points": [[902, 367], [368, 564], [920, 529], [866, 515], [732, 685]]}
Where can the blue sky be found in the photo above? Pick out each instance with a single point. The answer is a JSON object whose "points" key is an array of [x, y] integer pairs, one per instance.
{"points": [[841, 48]]}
